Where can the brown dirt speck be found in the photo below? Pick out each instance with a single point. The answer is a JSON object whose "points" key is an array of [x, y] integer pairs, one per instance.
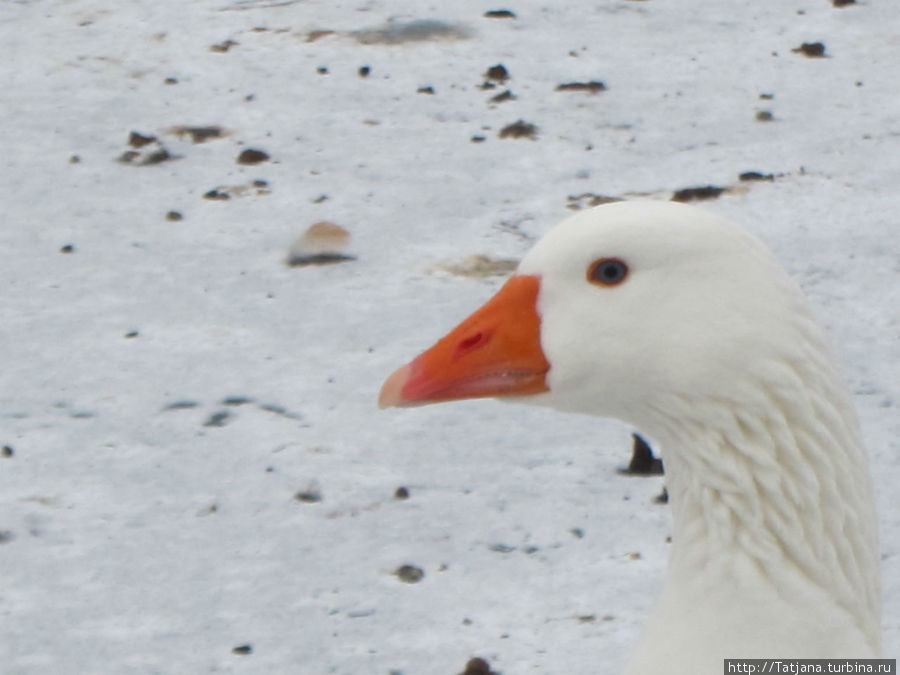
{"points": [[252, 156], [223, 46], [520, 129], [139, 140], [478, 666], [748, 176], [503, 96], [814, 50], [497, 73], [592, 87], [695, 194], [217, 195], [199, 134], [409, 574]]}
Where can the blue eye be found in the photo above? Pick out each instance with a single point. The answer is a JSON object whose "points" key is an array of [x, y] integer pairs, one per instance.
{"points": [[607, 272]]}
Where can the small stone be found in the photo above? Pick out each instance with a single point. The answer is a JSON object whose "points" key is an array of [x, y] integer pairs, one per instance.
{"points": [[243, 650], [74, 159], [503, 96], [425, 90], [217, 419], [217, 195], [181, 405], [68, 248], [311, 495], [500, 14], [755, 176], [198, 134], [592, 87], [519, 129], [157, 157], [322, 70], [8, 451], [697, 193], [764, 116], [236, 400], [643, 463], [132, 334], [477, 139], [477, 666], [409, 574], [252, 156], [843, 3], [401, 493], [323, 243], [223, 47], [497, 73], [139, 140], [174, 216], [814, 50], [170, 80], [364, 71]]}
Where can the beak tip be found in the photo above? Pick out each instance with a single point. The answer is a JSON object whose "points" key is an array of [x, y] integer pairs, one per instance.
{"points": [[391, 394]]}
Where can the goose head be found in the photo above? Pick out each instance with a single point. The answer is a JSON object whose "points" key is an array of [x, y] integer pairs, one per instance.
{"points": [[676, 321], [615, 310]]}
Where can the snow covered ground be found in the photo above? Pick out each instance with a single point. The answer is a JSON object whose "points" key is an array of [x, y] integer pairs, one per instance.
{"points": [[195, 476]]}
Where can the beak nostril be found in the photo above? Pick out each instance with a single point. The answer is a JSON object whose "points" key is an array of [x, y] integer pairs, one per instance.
{"points": [[472, 342]]}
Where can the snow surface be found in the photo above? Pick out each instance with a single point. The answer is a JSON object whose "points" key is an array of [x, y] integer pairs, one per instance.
{"points": [[136, 538]]}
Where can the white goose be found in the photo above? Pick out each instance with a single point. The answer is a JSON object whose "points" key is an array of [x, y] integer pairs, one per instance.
{"points": [[679, 323]]}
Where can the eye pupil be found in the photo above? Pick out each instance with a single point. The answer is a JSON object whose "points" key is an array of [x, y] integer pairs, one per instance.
{"points": [[607, 272]]}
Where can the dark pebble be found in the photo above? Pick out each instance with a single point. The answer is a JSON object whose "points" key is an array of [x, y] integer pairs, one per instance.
{"points": [[174, 216], [132, 334], [500, 14], [223, 47], [756, 176], [497, 73], [643, 463], [217, 195], [243, 650], [697, 193], [401, 493], [309, 496], [503, 97], [217, 419], [364, 71], [68, 248], [8, 451], [425, 90], [477, 666], [520, 129], [815, 50], [139, 140], [252, 156], [592, 87], [410, 574]]}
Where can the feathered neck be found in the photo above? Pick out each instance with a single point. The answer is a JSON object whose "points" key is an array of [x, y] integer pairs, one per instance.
{"points": [[770, 492]]}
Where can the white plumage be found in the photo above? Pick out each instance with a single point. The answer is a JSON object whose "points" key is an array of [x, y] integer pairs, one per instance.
{"points": [[709, 347]]}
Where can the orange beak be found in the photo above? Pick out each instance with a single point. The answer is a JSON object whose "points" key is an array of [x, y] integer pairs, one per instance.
{"points": [[495, 352]]}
